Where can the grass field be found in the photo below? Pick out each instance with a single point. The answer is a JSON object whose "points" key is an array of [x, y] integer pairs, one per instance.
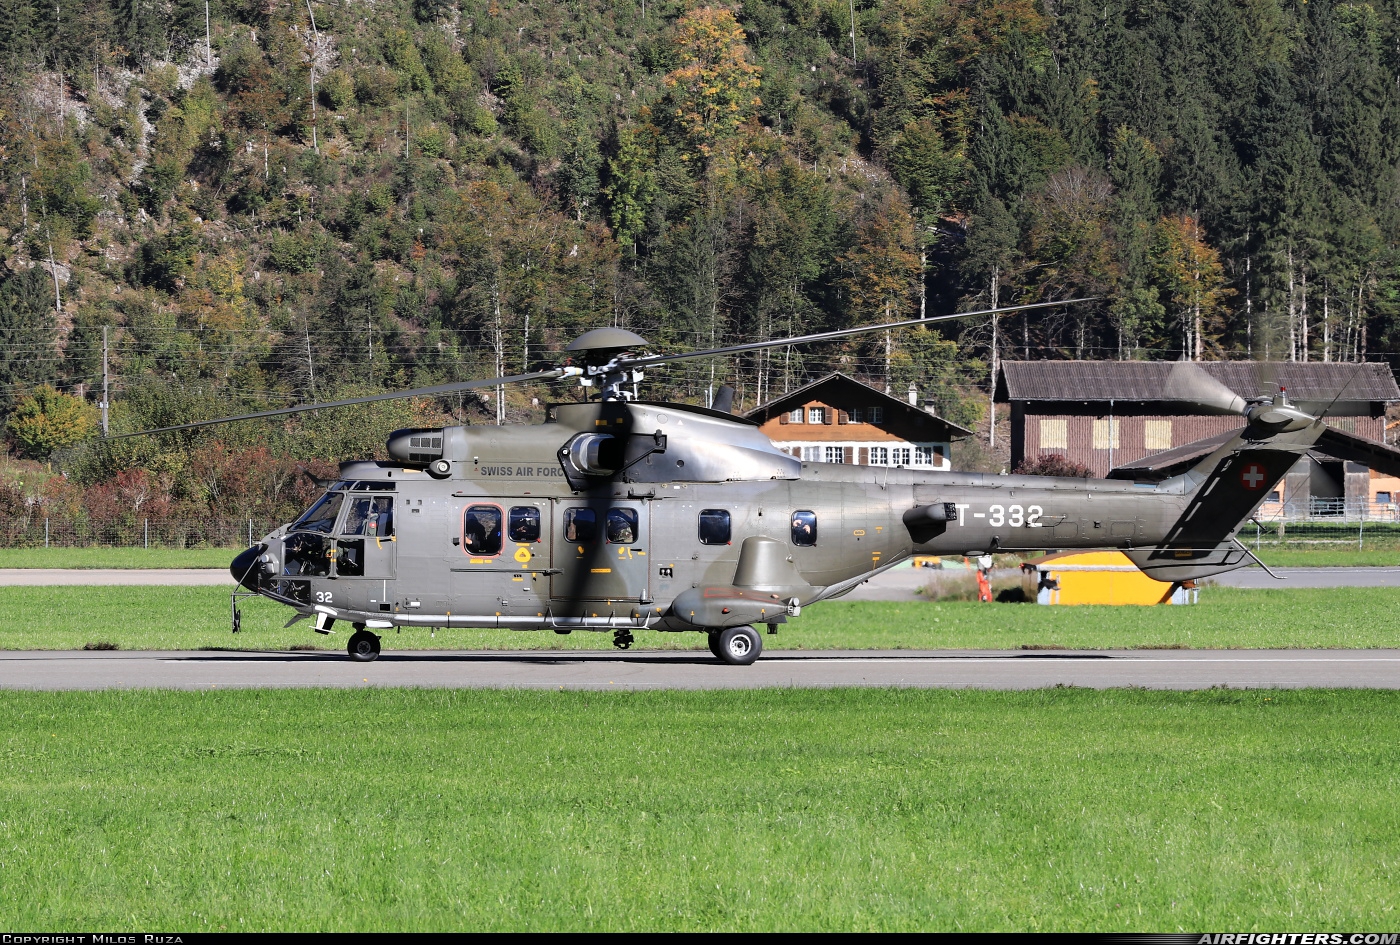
{"points": [[117, 557], [1334, 557], [145, 618], [777, 809]]}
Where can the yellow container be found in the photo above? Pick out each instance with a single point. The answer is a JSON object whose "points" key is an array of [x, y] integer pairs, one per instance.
{"points": [[1099, 577]]}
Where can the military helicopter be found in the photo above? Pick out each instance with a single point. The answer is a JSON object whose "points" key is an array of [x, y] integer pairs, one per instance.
{"points": [[619, 514]]}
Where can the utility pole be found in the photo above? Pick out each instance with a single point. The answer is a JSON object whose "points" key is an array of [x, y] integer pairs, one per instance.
{"points": [[992, 399], [315, 54], [53, 269], [104, 404], [853, 30], [208, 47]]}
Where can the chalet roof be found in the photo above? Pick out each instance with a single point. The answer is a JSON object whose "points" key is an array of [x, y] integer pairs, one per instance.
{"points": [[836, 388], [1090, 381]]}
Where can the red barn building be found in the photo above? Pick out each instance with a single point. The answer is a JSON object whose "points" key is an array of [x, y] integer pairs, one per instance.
{"points": [[1109, 415]]}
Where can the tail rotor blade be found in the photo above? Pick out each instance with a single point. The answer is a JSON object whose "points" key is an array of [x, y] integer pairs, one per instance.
{"points": [[1188, 382]]}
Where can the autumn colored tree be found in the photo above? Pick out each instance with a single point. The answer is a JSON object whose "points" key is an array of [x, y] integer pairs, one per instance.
{"points": [[880, 269], [48, 420], [716, 87], [1194, 280]]}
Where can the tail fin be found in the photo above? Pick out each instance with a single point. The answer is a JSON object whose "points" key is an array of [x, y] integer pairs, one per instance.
{"points": [[1226, 488]]}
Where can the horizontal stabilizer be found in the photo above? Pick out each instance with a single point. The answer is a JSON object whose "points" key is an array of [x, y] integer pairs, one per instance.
{"points": [[1359, 449]]}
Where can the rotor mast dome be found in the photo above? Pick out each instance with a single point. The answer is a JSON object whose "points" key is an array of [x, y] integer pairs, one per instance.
{"points": [[606, 352]]}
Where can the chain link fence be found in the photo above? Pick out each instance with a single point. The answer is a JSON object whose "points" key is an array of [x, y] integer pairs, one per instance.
{"points": [[134, 532], [1326, 522]]}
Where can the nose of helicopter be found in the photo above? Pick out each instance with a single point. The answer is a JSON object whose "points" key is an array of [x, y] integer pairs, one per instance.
{"points": [[245, 567]]}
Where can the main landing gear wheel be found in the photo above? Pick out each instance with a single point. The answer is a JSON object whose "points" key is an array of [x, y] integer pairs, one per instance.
{"points": [[363, 647], [712, 638], [737, 646]]}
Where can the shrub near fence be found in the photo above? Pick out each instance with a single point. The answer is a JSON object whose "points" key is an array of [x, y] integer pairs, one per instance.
{"points": [[47, 532]]}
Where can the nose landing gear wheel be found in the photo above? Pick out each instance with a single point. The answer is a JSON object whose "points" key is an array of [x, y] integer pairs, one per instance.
{"points": [[737, 646], [363, 647]]}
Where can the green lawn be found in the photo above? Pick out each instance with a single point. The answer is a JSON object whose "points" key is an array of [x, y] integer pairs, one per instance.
{"points": [[780, 809], [1335, 557], [144, 618], [117, 557]]}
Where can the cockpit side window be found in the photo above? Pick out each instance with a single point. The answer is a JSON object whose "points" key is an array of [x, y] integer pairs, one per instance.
{"points": [[370, 515], [804, 528], [321, 516], [481, 530]]}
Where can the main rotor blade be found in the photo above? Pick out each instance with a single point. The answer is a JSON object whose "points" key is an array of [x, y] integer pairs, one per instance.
{"points": [[453, 388], [841, 333], [1188, 382]]}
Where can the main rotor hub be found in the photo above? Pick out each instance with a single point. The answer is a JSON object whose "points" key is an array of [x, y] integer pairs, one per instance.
{"points": [[605, 355]]}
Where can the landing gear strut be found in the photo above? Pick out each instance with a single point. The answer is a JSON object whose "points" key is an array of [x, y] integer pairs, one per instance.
{"points": [[623, 639], [363, 646]]}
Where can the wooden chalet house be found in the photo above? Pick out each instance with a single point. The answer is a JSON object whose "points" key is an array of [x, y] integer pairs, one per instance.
{"points": [[837, 419], [1114, 418]]}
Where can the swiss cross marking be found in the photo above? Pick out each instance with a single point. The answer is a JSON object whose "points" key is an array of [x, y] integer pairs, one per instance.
{"points": [[1253, 477]]}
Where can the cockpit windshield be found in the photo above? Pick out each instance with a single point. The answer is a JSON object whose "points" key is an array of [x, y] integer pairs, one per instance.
{"points": [[321, 516]]}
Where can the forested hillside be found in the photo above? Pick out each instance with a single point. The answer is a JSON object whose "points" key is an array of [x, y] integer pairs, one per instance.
{"points": [[267, 201]]}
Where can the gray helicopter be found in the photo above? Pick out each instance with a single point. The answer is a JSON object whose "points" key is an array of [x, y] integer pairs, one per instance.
{"points": [[621, 515]]}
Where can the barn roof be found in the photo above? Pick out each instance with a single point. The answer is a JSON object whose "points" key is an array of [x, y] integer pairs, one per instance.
{"points": [[834, 388], [1090, 381]]}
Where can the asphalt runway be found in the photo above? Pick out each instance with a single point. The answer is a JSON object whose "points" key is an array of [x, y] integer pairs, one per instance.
{"points": [[953, 669]]}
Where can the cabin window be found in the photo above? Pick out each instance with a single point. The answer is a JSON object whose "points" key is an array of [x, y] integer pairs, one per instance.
{"points": [[481, 531], [816, 415], [804, 528], [795, 416], [321, 516], [877, 414], [622, 526], [370, 515], [580, 525], [715, 528], [524, 523]]}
